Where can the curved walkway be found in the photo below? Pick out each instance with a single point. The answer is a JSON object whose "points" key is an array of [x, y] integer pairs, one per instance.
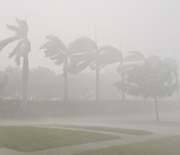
{"points": [[68, 150]]}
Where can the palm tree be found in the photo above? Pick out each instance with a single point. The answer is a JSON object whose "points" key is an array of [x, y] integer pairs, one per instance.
{"points": [[57, 51], [85, 53], [126, 63], [22, 49]]}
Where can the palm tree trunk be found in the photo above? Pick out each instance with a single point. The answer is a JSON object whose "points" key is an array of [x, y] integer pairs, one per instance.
{"points": [[25, 77], [157, 111], [66, 83], [97, 82]]}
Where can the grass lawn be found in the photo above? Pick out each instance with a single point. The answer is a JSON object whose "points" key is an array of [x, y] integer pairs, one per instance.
{"points": [[26, 138], [164, 146], [110, 129]]}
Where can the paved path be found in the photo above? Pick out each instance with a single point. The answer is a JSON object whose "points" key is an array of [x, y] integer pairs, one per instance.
{"points": [[68, 150]]}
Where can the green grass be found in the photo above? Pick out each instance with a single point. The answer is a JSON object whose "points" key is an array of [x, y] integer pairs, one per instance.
{"points": [[110, 129], [26, 138], [164, 146]]}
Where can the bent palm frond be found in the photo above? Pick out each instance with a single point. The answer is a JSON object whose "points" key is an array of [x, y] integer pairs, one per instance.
{"points": [[109, 55], [83, 45], [80, 63], [23, 26], [54, 48], [134, 56], [16, 49], [7, 41], [16, 29]]}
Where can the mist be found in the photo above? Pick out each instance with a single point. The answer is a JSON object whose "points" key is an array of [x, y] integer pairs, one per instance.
{"points": [[78, 65]]}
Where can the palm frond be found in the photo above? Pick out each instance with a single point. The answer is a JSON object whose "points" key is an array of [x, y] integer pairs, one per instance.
{"points": [[134, 56], [14, 28], [83, 57], [83, 45], [21, 30], [78, 66], [16, 49], [109, 55], [7, 41], [23, 26], [54, 48], [60, 59]]}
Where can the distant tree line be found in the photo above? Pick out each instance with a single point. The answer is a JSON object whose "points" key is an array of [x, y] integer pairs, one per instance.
{"points": [[44, 84]]}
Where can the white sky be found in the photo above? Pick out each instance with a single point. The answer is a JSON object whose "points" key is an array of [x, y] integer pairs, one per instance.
{"points": [[149, 26]]}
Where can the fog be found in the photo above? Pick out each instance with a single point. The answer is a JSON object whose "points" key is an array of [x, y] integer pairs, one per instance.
{"points": [[151, 27], [108, 63]]}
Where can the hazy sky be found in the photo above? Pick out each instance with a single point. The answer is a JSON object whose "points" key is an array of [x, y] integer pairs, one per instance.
{"points": [[149, 26]]}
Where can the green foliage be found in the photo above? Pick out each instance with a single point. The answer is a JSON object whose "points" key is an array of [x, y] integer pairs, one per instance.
{"points": [[26, 138]]}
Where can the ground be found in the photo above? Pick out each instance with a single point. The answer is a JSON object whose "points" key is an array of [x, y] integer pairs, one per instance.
{"points": [[160, 129]]}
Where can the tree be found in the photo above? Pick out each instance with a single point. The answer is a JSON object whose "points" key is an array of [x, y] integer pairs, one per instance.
{"points": [[57, 51], [14, 84], [85, 53], [45, 79], [153, 78], [22, 49]]}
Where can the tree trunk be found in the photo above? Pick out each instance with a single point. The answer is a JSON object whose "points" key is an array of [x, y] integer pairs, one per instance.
{"points": [[66, 83], [97, 83], [25, 77], [157, 111]]}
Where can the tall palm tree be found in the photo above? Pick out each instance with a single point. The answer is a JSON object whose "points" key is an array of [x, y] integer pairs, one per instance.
{"points": [[57, 51], [22, 49], [85, 53]]}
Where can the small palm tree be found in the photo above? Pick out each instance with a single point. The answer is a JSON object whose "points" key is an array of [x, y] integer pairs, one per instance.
{"points": [[22, 49], [85, 53], [57, 51]]}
